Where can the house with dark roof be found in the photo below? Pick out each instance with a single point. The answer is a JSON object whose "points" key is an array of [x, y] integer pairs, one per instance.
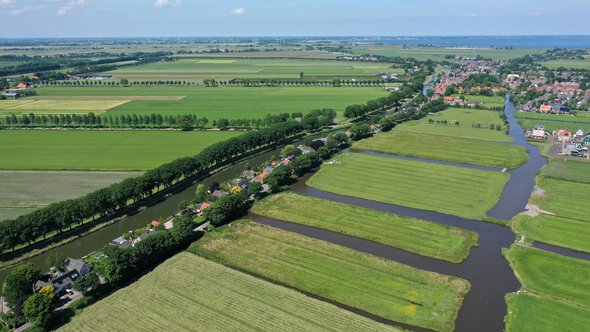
{"points": [[77, 265], [121, 242]]}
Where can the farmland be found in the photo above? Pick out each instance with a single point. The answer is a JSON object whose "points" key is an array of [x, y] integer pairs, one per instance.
{"points": [[454, 190], [568, 63], [24, 191], [220, 102], [459, 150], [554, 125], [568, 170], [100, 150], [414, 235], [467, 120], [378, 286], [528, 312], [563, 232], [228, 69], [62, 106], [564, 198], [553, 117], [191, 293], [488, 101], [439, 53], [550, 274]]}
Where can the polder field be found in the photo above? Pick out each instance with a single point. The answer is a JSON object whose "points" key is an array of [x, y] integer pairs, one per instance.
{"points": [[440, 53], [228, 69], [554, 122], [568, 170], [188, 292], [582, 118], [460, 191], [488, 101], [100, 150], [564, 198], [568, 63], [414, 235], [212, 103], [381, 287]]}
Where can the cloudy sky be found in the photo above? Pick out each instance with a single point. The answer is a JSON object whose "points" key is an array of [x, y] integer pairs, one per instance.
{"points": [[106, 18]]}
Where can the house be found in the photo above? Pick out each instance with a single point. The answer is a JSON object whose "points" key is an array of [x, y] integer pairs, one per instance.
{"points": [[218, 193], [563, 135], [202, 207], [249, 174], [243, 183], [65, 281], [155, 223], [285, 162], [11, 95], [260, 177], [579, 133], [448, 99], [121, 243], [22, 86], [545, 108], [305, 149], [268, 169], [77, 265]]}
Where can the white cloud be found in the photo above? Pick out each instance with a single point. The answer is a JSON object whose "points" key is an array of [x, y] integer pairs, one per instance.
{"points": [[6, 2], [167, 3], [238, 11], [71, 5]]}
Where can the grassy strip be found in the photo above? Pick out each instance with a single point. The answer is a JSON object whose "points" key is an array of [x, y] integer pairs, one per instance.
{"points": [[569, 170], [454, 190], [551, 126], [563, 232], [551, 274], [564, 198], [378, 286], [458, 150], [414, 235], [188, 292], [552, 117], [528, 312]]}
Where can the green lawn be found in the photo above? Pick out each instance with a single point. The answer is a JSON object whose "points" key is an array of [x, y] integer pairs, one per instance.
{"points": [[563, 232], [552, 117], [564, 198], [189, 293], [223, 102], [569, 170], [100, 150], [24, 191], [459, 150], [467, 118], [454, 190], [414, 235], [488, 101], [550, 274], [532, 313], [375, 285]]}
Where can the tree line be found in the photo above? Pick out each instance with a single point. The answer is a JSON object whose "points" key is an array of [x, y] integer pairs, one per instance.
{"points": [[272, 83]]}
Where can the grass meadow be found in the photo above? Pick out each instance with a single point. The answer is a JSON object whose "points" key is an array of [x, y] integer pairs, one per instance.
{"points": [[464, 192], [552, 117], [440, 53], [568, 170], [459, 150], [123, 150], [61, 106], [188, 292], [553, 125], [414, 235], [467, 118], [563, 232], [564, 198], [568, 63], [488, 101], [378, 286]]}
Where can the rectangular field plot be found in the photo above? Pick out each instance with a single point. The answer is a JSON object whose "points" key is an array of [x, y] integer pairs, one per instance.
{"points": [[414, 235], [563, 232], [100, 150], [462, 123], [488, 101], [385, 288], [63, 106], [552, 117], [189, 293], [569, 170], [459, 150], [564, 198], [464, 192]]}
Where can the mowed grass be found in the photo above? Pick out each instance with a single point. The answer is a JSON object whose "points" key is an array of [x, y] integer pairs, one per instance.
{"points": [[189, 293], [533, 313], [553, 125], [414, 235], [454, 190], [568, 63], [226, 102], [100, 150], [569, 170], [550, 274], [563, 232], [459, 150], [440, 53], [24, 191], [552, 117], [467, 118], [564, 198], [63, 106], [488, 101], [381, 287]]}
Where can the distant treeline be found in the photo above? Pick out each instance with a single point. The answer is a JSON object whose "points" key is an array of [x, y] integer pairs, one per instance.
{"points": [[294, 82]]}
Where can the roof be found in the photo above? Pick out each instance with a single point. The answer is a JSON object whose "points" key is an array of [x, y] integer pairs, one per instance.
{"points": [[204, 206], [155, 223], [21, 86], [546, 108], [75, 264]]}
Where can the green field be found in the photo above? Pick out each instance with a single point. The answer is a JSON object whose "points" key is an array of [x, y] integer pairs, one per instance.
{"points": [[375, 285], [532, 313], [223, 102], [569, 170], [564, 198], [439, 53], [189, 293], [454, 190], [553, 117], [25, 191], [550, 274], [563, 232], [459, 150], [227, 69], [552, 125], [414, 235], [567, 63], [60, 106], [467, 118], [488, 101], [100, 150]]}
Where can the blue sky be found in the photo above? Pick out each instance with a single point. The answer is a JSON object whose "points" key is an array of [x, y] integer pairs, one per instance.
{"points": [[131, 18]]}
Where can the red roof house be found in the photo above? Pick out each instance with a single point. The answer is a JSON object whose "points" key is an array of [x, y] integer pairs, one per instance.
{"points": [[155, 223], [22, 86]]}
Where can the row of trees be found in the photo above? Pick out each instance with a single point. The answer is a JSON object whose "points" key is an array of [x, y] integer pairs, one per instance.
{"points": [[122, 82], [63, 216], [271, 83]]}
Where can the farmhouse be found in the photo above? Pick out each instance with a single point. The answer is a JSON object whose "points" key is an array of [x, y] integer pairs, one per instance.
{"points": [[75, 268], [563, 135], [546, 108]]}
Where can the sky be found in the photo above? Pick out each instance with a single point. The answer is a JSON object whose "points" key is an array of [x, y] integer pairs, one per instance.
{"points": [[161, 18]]}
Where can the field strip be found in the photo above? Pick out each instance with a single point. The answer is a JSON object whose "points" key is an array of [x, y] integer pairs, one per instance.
{"points": [[120, 97], [69, 105], [14, 103]]}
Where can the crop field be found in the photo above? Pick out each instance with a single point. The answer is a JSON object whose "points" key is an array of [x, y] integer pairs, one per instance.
{"points": [[553, 117], [188, 292], [61, 106], [227, 69], [563, 232], [224, 102], [467, 119], [550, 274], [381, 287], [459, 150], [488, 101], [439, 53], [528, 313], [567, 63], [569, 170], [100, 150], [564, 198], [24, 191], [464, 192], [414, 235]]}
